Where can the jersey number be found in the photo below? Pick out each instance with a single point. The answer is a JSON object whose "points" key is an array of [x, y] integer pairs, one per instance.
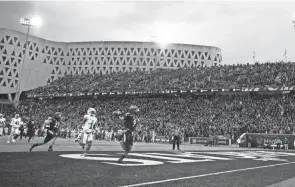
{"points": [[57, 125]]}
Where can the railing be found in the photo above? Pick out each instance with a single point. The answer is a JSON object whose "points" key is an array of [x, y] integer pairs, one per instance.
{"points": [[266, 89]]}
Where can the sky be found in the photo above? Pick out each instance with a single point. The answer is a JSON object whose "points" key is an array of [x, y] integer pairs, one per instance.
{"points": [[237, 27]]}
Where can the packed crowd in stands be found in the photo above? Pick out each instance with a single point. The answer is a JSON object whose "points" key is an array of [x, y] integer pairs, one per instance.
{"points": [[227, 76], [205, 116], [229, 116]]}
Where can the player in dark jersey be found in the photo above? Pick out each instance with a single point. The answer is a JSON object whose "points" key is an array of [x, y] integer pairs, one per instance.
{"points": [[51, 127], [126, 135], [31, 128]]}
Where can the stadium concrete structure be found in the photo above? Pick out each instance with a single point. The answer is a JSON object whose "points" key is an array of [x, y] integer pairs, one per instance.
{"points": [[47, 61]]}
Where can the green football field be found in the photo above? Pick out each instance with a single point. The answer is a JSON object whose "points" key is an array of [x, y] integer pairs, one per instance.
{"points": [[147, 165]]}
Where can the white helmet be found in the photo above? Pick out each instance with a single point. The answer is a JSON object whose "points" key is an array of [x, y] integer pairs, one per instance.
{"points": [[91, 111], [134, 108]]}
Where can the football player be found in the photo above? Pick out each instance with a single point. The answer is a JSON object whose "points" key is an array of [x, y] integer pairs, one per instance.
{"points": [[2, 124], [80, 127], [15, 125], [51, 127], [30, 132], [125, 136], [21, 124], [86, 136]]}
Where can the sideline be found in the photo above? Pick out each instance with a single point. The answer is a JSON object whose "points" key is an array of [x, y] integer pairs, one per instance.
{"points": [[209, 174]]}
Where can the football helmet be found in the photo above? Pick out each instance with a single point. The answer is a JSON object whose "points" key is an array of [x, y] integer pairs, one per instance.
{"points": [[57, 116], [134, 109], [91, 111]]}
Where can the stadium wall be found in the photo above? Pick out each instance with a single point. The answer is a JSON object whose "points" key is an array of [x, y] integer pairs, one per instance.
{"points": [[46, 61]]}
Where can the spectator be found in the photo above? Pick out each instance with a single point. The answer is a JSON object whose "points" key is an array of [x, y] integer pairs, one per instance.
{"points": [[286, 144], [249, 142]]}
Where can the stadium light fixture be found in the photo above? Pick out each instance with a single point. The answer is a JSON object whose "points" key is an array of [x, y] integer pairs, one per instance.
{"points": [[162, 42], [36, 21]]}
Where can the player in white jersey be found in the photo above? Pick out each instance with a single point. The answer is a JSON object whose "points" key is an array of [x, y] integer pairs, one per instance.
{"points": [[81, 127], [19, 131], [15, 125], [2, 124], [88, 128]]}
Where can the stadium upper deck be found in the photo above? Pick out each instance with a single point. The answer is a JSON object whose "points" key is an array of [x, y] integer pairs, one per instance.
{"points": [[46, 60]]}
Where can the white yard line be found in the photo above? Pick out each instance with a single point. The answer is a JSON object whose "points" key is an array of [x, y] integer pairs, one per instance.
{"points": [[208, 174]]}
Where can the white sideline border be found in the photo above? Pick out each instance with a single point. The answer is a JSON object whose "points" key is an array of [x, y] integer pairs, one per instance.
{"points": [[208, 174]]}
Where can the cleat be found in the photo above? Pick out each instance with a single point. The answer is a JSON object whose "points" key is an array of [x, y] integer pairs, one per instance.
{"points": [[50, 149], [8, 142], [13, 141], [32, 147], [83, 155], [121, 159]]}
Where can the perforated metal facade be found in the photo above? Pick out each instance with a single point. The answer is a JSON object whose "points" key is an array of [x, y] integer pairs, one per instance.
{"points": [[46, 61]]}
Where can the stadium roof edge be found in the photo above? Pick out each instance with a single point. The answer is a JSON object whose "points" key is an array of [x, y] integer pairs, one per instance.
{"points": [[134, 42]]}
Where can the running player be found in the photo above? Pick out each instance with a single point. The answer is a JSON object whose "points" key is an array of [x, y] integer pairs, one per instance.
{"points": [[51, 126], [55, 135], [126, 135], [80, 127], [30, 132], [15, 125], [2, 124], [19, 131], [88, 128]]}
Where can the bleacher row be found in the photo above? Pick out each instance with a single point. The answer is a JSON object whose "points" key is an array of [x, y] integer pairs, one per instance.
{"points": [[268, 74]]}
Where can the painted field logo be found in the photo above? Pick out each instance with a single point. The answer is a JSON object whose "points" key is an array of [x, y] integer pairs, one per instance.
{"points": [[150, 159], [111, 159]]}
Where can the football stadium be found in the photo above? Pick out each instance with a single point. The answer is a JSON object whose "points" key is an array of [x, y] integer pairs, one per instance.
{"points": [[126, 113]]}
